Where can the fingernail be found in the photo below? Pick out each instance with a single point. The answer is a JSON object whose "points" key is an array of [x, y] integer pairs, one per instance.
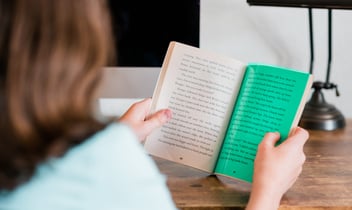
{"points": [[167, 115]]}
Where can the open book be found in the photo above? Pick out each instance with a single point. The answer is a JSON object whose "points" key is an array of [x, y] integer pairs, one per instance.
{"points": [[222, 108]]}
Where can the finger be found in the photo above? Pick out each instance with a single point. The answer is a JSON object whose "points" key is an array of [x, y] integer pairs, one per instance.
{"points": [[299, 137], [138, 110], [145, 106]]}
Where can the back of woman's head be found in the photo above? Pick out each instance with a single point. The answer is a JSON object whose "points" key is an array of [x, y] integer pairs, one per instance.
{"points": [[51, 59]]}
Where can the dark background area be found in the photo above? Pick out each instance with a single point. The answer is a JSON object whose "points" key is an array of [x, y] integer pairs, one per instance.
{"points": [[143, 29]]}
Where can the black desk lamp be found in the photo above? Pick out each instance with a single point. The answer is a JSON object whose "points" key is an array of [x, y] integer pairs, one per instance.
{"points": [[317, 114]]}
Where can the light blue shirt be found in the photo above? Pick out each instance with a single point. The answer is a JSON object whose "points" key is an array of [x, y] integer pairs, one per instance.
{"points": [[110, 170]]}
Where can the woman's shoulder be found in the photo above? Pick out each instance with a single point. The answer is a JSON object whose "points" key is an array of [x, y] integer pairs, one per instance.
{"points": [[113, 150], [105, 145], [114, 136], [108, 163]]}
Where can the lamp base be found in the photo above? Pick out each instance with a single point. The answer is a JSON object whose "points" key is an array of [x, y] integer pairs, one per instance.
{"points": [[319, 115]]}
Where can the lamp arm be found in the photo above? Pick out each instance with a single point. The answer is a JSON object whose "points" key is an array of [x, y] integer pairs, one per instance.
{"points": [[327, 81], [311, 39]]}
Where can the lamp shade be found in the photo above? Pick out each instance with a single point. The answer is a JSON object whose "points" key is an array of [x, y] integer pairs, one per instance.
{"points": [[330, 4]]}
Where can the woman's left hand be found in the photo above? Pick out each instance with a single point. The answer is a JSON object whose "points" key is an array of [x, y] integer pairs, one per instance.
{"points": [[138, 118]]}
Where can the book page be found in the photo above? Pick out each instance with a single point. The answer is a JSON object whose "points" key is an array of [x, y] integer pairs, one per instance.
{"points": [[200, 88], [270, 100]]}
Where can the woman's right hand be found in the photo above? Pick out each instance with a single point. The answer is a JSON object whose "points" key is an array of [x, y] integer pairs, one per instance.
{"points": [[276, 168]]}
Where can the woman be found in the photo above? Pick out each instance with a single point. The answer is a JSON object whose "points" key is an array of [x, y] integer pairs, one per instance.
{"points": [[54, 153]]}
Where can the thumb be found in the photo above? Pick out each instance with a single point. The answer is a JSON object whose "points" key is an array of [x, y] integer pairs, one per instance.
{"points": [[270, 140], [156, 120]]}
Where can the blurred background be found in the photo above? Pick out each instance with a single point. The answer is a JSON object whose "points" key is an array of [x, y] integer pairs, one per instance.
{"points": [[280, 35], [273, 35]]}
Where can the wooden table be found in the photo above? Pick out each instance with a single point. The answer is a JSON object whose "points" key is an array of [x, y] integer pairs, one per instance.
{"points": [[325, 182]]}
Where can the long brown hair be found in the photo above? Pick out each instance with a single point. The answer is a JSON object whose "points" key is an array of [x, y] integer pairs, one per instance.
{"points": [[52, 55]]}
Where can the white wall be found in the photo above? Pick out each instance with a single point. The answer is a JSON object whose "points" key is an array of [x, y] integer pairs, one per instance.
{"points": [[279, 35]]}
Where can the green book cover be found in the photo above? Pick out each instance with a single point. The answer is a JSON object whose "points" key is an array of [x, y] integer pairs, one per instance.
{"points": [[269, 100]]}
